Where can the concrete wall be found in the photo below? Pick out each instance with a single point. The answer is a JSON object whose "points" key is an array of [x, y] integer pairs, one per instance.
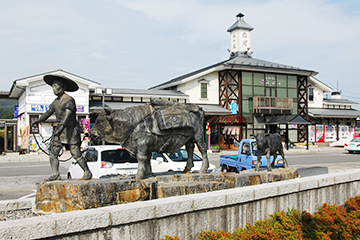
{"points": [[186, 216]]}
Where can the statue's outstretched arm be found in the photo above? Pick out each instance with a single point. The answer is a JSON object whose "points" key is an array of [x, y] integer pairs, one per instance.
{"points": [[43, 117]]}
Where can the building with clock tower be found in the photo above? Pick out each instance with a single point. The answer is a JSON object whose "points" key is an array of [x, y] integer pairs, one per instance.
{"points": [[244, 95]]}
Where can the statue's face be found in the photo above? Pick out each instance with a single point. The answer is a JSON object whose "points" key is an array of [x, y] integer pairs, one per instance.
{"points": [[57, 87]]}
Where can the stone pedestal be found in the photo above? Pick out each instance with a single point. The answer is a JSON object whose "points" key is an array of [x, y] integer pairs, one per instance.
{"points": [[70, 195]]}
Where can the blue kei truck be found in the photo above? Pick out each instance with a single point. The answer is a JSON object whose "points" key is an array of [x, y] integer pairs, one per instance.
{"points": [[246, 158]]}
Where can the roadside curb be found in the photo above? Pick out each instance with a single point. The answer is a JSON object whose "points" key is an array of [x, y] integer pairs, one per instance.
{"points": [[36, 157], [292, 151], [42, 157]]}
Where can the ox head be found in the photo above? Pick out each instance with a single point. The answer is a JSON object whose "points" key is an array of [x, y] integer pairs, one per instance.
{"points": [[260, 139], [102, 130]]}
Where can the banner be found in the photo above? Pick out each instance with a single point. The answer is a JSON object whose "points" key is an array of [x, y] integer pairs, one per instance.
{"points": [[16, 111], [24, 137], [85, 123], [33, 145], [86, 128]]}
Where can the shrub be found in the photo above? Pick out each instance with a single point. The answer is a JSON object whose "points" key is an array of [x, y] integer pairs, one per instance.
{"points": [[220, 234], [170, 238], [280, 225], [329, 222]]}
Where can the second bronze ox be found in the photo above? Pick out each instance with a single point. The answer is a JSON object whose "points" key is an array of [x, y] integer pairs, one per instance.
{"points": [[270, 145], [159, 126]]}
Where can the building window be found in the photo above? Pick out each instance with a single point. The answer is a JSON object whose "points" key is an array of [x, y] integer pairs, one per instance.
{"points": [[34, 129], [203, 90], [311, 94]]}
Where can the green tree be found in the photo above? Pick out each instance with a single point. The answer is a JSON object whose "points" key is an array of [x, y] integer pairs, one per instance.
{"points": [[7, 107]]}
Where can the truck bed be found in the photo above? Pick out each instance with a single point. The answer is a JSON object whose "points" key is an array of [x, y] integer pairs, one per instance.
{"points": [[229, 157]]}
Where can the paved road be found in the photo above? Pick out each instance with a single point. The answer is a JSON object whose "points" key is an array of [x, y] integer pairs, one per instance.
{"points": [[18, 179]]}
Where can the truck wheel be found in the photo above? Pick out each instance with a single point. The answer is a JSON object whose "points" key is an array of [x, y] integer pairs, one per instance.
{"points": [[224, 168]]}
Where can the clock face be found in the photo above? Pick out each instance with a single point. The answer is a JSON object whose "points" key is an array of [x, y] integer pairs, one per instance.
{"points": [[244, 35]]}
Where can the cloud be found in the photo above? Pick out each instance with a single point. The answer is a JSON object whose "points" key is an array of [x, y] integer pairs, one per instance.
{"points": [[139, 44]]}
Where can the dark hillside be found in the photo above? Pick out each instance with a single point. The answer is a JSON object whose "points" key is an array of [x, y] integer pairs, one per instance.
{"points": [[7, 108]]}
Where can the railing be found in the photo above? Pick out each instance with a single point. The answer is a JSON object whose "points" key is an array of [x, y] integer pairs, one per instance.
{"points": [[272, 105]]}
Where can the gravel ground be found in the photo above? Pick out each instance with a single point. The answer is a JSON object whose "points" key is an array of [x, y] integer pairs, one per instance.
{"points": [[16, 214]]}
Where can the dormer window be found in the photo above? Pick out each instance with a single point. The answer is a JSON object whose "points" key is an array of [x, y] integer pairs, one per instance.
{"points": [[203, 88]]}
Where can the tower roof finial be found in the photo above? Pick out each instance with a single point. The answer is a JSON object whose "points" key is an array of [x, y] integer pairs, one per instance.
{"points": [[240, 16]]}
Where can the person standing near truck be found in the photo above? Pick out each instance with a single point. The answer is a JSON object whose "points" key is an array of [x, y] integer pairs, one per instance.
{"points": [[68, 130]]}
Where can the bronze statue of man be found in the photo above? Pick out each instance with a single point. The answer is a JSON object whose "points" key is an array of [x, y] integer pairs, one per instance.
{"points": [[68, 129]]}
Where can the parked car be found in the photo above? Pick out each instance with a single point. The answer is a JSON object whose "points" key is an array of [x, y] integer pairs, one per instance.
{"points": [[353, 145], [166, 162], [107, 160]]}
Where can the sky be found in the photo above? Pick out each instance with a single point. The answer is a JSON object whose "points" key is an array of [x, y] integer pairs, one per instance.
{"points": [[140, 43]]}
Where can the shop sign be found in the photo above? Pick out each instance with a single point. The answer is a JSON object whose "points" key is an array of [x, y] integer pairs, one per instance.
{"points": [[80, 109], [37, 108], [233, 108], [16, 111]]}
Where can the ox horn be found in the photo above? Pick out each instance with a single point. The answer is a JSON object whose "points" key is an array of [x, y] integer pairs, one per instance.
{"points": [[108, 111]]}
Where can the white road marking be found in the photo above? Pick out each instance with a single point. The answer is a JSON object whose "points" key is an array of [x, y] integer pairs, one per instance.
{"points": [[28, 166], [29, 195]]}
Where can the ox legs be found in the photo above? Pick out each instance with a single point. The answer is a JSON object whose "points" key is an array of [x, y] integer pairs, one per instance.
{"points": [[283, 156], [200, 141], [144, 166], [190, 151], [258, 163], [269, 168]]}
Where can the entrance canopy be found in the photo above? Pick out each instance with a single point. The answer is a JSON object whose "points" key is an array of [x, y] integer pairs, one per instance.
{"points": [[227, 119], [287, 119]]}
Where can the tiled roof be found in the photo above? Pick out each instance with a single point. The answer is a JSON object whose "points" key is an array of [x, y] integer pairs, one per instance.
{"points": [[287, 119], [334, 113], [339, 101], [243, 62]]}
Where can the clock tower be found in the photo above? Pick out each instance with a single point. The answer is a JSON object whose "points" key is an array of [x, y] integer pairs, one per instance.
{"points": [[240, 36]]}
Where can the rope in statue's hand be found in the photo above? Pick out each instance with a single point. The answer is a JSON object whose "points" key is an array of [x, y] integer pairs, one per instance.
{"points": [[51, 145]]}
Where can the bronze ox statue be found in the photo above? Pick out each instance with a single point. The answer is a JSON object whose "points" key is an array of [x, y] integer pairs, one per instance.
{"points": [[159, 126], [269, 144]]}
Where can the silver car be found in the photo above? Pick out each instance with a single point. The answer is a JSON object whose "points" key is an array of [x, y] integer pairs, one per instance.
{"points": [[353, 145]]}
